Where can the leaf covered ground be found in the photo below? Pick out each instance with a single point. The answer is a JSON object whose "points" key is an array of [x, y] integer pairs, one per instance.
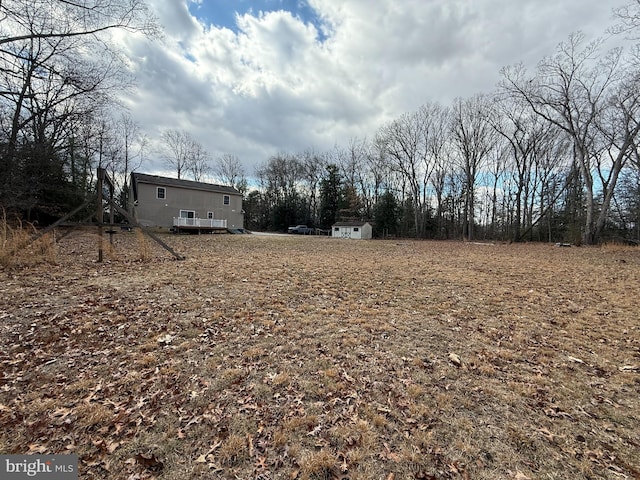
{"points": [[267, 357]]}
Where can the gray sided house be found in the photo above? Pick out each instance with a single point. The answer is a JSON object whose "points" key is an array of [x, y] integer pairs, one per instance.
{"points": [[356, 230], [183, 204]]}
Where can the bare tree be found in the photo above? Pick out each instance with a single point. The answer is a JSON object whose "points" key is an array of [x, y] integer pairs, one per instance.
{"points": [[351, 162], [59, 19], [437, 139], [629, 16], [473, 137], [199, 163], [57, 69], [377, 180], [524, 133], [620, 131], [133, 144], [313, 167], [229, 170], [405, 141], [404, 148], [178, 150], [589, 97], [280, 178]]}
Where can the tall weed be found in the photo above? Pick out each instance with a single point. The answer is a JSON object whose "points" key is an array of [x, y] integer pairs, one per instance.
{"points": [[144, 248], [16, 247]]}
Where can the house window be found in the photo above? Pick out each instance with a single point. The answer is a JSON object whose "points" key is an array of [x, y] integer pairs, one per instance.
{"points": [[187, 214], [210, 215], [226, 200], [355, 229], [336, 229], [161, 193]]}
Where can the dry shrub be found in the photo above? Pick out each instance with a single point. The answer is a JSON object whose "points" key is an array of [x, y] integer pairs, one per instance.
{"points": [[234, 450], [283, 378], [147, 360], [306, 423], [355, 434], [230, 377], [16, 247], [613, 246], [92, 415], [44, 249], [318, 465], [108, 249], [280, 438], [254, 353], [144, 248]]}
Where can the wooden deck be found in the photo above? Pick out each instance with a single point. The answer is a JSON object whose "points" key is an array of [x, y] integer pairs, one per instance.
{"points": [[199, 225]]}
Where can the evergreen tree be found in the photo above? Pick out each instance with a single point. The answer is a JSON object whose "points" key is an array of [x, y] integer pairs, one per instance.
{"points": [[386, 215], [331, 200], [407, 218], [352, 204]]}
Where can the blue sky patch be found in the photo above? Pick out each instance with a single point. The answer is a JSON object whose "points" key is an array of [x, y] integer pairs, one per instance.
{"points": [[222, 13]]}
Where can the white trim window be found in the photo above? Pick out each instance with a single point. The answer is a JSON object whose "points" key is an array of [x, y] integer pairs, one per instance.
{"points": [[210, 215], [226, 200], [161, 193]]}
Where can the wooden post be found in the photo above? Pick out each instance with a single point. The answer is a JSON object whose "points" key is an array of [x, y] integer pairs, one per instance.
{"points": [[100, 211]]}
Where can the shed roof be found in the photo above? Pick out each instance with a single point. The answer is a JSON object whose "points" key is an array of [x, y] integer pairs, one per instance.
{"points": [[180, 183], [350, 224]]}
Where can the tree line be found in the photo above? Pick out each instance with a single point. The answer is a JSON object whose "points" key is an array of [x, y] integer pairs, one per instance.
{"points": [[549, 155]]}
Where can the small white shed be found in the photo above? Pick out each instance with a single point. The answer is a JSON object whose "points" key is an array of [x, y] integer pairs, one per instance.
{"points": [[356, 230]]}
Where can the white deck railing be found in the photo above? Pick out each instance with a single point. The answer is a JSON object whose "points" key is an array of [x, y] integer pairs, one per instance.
{"points": [[199, 222]]}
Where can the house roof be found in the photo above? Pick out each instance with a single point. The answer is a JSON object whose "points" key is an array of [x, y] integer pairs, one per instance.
{"points": [[349, 224], [180, 183]]}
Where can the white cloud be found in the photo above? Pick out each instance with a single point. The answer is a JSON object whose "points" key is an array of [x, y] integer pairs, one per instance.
{"points": [[273, 86]]}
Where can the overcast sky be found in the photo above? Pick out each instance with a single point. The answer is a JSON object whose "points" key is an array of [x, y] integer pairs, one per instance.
{"points": [[255, 78]]}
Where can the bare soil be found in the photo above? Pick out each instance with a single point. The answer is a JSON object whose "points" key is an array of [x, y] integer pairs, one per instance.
{"points": [[264, 357]]}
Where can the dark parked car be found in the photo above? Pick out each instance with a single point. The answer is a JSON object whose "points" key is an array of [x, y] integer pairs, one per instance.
{"points": [[300, 229]]}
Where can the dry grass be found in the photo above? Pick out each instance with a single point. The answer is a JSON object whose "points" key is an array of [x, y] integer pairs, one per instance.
{"points": [[313, 358], [145, 250], [16, 248]]}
